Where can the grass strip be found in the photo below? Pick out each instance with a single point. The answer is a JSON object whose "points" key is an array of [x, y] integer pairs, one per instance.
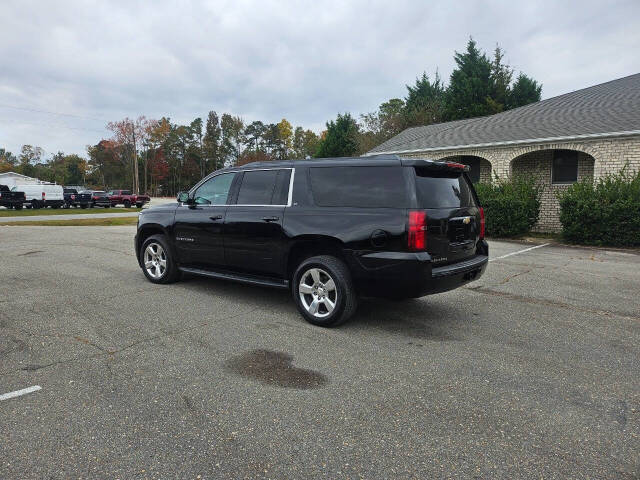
{"points": [[28, 212], [80, 222]]}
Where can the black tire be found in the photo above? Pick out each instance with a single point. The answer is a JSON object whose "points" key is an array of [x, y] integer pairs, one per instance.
{"points": [[108, 205], [18, 207], [139, 205], [346, 300], [127, 204], [84, 205], [35, 204], [171, 273]]}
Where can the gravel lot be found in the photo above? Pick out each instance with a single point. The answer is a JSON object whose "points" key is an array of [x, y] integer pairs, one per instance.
{"points": [[531, 372]]}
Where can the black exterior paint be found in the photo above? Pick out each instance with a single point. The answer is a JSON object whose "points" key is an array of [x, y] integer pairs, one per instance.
{"points": [[255, 242]]}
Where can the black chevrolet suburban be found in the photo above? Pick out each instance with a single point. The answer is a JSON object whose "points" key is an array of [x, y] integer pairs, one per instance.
{"points": [[330, 230]]}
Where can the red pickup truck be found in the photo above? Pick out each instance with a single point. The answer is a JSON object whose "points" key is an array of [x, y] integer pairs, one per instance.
{"points": [[126, 198]]}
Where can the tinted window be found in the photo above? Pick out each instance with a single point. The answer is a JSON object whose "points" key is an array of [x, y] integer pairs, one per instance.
{"points": [[214, 191], [565, 166], [259, 187], [126, 192], [442, 190], [70, 190], [358, 186]]}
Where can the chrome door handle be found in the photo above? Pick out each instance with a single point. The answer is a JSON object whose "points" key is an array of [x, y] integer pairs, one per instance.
{"points": [[216, 217], [270, 219]]}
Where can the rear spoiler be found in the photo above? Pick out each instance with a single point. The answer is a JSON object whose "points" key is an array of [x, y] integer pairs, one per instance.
{"points": [[435, 165]]}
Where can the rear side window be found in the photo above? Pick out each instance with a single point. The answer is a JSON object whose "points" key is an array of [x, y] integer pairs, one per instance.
{"points": [[442, 189], [264, 187], [358, 187]]}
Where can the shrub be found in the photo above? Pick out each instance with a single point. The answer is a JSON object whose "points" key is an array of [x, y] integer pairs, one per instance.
{"points": [[604, 213], [511, 206]]}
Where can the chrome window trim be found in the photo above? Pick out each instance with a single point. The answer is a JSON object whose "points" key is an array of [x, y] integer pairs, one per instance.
{"points": [[289, 196]]}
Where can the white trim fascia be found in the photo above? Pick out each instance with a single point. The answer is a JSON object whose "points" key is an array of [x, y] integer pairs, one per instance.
{"points": [[589, 136]]}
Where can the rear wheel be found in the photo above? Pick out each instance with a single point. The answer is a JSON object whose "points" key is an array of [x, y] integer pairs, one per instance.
{"points": [[127, 204], [323, 291], [35, 204], [18, 207], [158, 263], [84, 205]]}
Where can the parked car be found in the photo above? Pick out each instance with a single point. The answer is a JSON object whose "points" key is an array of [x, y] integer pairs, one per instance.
{"points": [[11, 199], [70, 197], [100, 198], [126, 198], [327, 229], [42, 195]]}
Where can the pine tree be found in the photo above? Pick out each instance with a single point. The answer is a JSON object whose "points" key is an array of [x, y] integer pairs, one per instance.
{"points": [[341, 139], [470, 85], [525, 90]]}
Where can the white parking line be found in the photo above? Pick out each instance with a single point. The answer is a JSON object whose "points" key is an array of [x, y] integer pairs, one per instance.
{"points": [[519, 251], [17, 393]]}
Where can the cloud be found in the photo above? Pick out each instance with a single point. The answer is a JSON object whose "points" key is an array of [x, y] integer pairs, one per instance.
{"points": [[305, 61]]}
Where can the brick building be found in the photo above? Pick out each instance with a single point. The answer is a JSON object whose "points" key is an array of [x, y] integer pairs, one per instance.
{"points": [[579, 135]]}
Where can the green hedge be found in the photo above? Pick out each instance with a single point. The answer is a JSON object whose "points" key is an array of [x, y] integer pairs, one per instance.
{"points": [[511, 206], [604, 213]]}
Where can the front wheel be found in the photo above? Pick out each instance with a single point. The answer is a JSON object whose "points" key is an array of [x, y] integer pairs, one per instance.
{"points": [[323, 291], [127, 204], [158, 263]]}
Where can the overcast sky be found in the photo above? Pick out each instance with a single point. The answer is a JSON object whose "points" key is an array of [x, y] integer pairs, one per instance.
{"points": [[305, 61]]}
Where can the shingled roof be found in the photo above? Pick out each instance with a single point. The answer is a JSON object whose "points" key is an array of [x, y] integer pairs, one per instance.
{"points": [[608, 109]]}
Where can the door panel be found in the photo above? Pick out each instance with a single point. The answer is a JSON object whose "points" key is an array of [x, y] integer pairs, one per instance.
{"points": [[254, 239], [199, 235], [199, 227]]}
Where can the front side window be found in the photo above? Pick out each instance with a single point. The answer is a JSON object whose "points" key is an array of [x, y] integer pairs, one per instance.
{"points": [[565, 166], [372, 187], [264, 187], [214, 191]]}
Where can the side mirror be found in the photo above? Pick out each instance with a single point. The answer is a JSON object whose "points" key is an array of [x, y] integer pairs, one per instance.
{"points": [[183, 197]]}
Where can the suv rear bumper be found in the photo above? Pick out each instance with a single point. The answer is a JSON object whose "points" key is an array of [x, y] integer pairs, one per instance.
{"points": [[411, 275]]}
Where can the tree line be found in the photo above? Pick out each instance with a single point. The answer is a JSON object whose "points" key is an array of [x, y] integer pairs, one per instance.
{"points": [[161, 157]]}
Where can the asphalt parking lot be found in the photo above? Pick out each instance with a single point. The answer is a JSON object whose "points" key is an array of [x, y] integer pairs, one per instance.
{"points": [[531, 372]]}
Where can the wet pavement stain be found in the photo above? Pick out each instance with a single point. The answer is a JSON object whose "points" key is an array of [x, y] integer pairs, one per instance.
{"points": [[275, 368]]}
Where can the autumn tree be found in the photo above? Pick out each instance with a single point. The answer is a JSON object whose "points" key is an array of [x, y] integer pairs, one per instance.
{"points": [[305, 143], [232, 138], [211, 142], [8, 161], [128, 134]]}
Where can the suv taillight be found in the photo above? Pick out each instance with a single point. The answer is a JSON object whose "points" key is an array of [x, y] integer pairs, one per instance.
{"points": [[417, 235], [481, 223]]}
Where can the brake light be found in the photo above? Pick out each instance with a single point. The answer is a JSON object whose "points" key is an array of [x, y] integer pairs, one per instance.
{"points": [[43, 195], [417, 235], [456, 165], [481, 223], [73, 197]]}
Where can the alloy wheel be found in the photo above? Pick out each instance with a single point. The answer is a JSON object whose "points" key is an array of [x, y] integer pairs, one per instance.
{"points": [[155, 260], [318, 292]]}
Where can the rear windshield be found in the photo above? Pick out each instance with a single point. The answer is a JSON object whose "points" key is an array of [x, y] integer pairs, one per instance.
{"points": [[442, 189], [358, 187]]}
